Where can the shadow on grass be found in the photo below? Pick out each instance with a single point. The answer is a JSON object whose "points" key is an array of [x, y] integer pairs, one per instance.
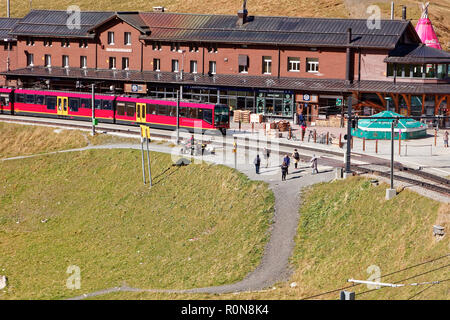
{"points": [[163, 174]]}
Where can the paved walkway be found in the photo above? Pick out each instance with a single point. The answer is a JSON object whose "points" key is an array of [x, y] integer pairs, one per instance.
{"points": [[274, 266]]}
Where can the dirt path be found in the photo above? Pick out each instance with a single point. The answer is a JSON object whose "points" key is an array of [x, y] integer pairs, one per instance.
{"points": [[274, 266]]}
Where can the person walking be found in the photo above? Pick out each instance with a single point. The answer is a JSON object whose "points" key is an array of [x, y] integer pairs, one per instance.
{"points": [[296, 157], [192, 142], [257, 163], [446, 139], [303, 125], [284, 169], [313, 162], [288, 162], [267, 155]]}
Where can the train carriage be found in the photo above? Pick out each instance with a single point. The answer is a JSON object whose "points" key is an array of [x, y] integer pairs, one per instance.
{"points": [[61, 104], [6, 103]]}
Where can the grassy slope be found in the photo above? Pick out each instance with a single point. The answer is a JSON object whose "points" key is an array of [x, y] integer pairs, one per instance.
{"points": [[347, 226], [25, 140], [199, 225]]}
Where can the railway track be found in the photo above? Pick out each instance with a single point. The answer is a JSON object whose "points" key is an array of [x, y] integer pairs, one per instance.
{"points": [[421, 178]]}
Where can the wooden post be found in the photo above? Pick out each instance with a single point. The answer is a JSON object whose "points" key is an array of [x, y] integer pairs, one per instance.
{"points": [[264, 127], [290, 133], [315, 135], [364, 144], [340, 140], [435, 137], [253, 127], [399, 143], [328, 136], [376, 146], [351, 142]]}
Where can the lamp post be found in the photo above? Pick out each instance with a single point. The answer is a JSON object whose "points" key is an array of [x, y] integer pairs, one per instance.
{"points": [[390, 193], [349, 135], [93, 109]]}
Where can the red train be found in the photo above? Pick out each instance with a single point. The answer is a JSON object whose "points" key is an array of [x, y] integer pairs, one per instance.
{"points": [[159, 114]]}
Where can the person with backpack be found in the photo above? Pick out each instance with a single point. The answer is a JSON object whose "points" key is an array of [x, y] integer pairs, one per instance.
{"points": [[296, 157], [257, 163], [288, 162], [284, 169], [313, 162]]}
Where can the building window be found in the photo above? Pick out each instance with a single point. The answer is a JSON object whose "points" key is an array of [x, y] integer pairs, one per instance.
{"points": [[30, 42], [30, 59], [212, 67], [243, 63], [48, 43], [175, 66], [212, 48], [125, 63], [83, 43], [65, 61], [156, 64], [112, 63], [8, 46], [194, 66], [156, 45], [127, 39], [48, 60], [174, 46], [294, 64], [110, 38], [193, 47], [65, 43], [312, 64], [83, 62], [267, 65]]}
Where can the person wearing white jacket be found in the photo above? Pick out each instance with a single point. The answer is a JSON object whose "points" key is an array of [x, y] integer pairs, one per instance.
{"points": [[313, 162]]}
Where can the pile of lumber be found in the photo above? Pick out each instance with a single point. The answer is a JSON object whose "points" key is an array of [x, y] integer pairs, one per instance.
{"points": [[242, 116], [283, 125]]}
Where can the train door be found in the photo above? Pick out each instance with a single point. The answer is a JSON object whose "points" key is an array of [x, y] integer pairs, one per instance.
{"points": [[63, 106], [140, 112]]}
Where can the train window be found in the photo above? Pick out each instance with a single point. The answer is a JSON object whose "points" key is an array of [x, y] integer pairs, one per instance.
{"points": [[120, 108], [183, 112], [20, 98], [131, 108], [85, 103], [207, 115], [29, 98], [2, 101], [163, 110], [40, 99], [172, 111], [151, 108], [98, 104], [107, 105], [51, 103], [200, 113], [193, 113], [74, 104]]}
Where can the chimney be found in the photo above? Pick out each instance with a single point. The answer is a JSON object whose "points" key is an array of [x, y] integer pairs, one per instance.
{"points": [[349, 35], [243, 14], [392, 10], [403, 12]]}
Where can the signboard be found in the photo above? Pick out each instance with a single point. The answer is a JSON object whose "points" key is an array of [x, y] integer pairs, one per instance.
{"points": [[306, 97], [135, 88], [145, 132], [339, 102]]}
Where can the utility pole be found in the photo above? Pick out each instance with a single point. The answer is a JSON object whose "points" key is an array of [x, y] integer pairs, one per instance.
{"points": [[148, 162], [93, 109], [390, 193], [349, 135], [178, 117], [142, 153]]}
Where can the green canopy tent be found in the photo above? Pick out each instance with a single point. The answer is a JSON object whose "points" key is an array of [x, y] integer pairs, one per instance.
{"points": [[381, 128]]}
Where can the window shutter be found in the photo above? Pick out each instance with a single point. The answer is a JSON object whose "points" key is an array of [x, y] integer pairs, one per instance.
{"points": [[243, 60]]}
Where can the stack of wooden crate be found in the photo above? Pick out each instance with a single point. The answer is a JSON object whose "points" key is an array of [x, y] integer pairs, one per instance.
{"points": [[245, 116]]}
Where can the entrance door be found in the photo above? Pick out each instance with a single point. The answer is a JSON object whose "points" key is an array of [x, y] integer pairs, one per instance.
{"points": [[62, 104], [140, 112]]}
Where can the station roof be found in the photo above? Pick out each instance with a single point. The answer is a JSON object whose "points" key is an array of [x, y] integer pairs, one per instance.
{"points": [[60, 24], [6, 25], [260, 82], [419, 54], [166, 26]]}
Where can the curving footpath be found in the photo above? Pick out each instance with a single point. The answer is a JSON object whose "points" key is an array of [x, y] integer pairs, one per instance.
{"points": [[274, 266]]}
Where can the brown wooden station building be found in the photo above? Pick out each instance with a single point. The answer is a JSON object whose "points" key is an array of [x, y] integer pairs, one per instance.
{"points": [[277, 66]]}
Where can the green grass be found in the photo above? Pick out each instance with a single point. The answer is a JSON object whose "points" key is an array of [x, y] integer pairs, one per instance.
{"points": [[347, 226], [200, 225]]}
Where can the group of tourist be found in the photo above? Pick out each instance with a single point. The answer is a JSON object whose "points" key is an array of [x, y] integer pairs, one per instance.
{"points": [[286, 162]]}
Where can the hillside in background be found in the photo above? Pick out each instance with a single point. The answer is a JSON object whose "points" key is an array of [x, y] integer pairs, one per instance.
{"points": [[439, 10]]}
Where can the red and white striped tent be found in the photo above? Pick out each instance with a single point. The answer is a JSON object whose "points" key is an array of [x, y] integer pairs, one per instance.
{"points": [[425, 30]]}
